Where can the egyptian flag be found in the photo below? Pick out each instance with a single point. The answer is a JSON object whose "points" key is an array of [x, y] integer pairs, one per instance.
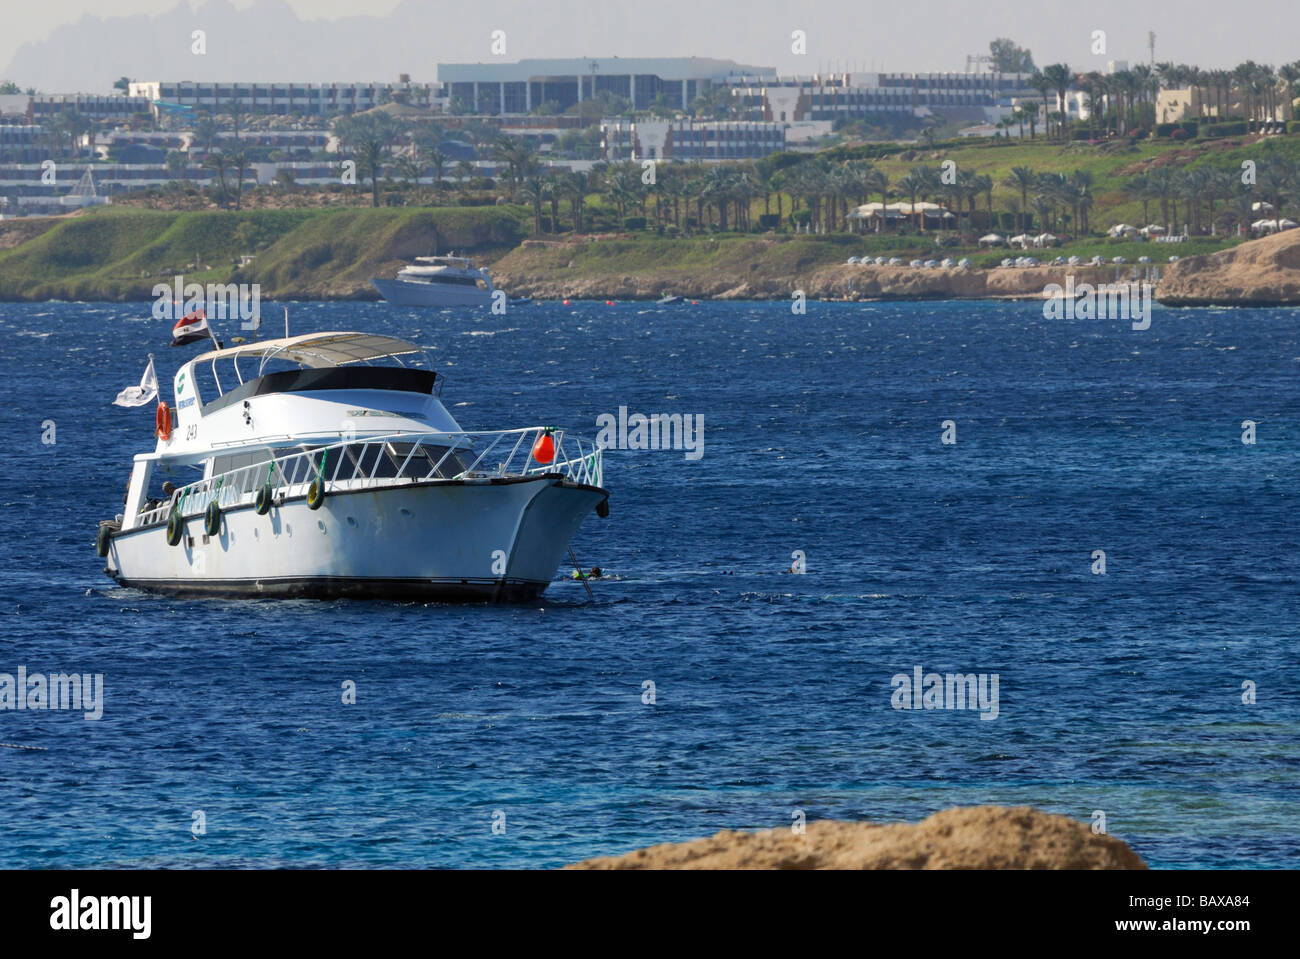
{"points": [[191, 328]]}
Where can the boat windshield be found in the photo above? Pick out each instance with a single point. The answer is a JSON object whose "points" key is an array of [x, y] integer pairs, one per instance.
{"points": [[220, 372]]}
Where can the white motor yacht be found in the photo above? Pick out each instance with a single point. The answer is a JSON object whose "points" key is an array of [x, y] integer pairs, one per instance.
{"points": [[437, 281], [325, 465]]}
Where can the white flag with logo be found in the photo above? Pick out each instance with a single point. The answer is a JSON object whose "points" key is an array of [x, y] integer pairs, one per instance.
{"points": [[146, 392]]}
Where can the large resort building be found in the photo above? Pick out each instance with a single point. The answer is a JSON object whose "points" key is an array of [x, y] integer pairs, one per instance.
{"points": [[505, 89], [308, 99], [838, 96], [522, 87], [690, 139]]}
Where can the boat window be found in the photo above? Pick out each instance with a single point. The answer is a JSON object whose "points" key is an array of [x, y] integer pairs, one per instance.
{"points": [[378, 460], [201, 381], [454, 465], [369, 460], [373, 459], [233, 461], [426, 457]]}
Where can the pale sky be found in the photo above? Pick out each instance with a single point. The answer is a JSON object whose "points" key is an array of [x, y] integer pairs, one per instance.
{"points": [[63, 46], [26, 20]]}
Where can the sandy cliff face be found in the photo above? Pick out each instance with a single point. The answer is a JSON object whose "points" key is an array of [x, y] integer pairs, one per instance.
{"points": [[1263, 272], [975, 837]]}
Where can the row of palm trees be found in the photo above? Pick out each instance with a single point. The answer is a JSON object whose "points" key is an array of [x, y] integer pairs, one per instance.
{"points": [[723, 196], [1188, 197], [1125, 101]]}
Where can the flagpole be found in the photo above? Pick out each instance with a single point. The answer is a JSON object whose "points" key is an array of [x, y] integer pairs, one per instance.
{"points": [[211, 335]]}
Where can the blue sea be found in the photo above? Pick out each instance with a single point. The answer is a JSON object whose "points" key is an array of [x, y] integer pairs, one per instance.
{"points": [[1120, 693]]}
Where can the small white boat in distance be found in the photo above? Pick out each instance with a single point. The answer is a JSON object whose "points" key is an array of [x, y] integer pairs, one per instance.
{"points": [[437, 281], [327, 466]]}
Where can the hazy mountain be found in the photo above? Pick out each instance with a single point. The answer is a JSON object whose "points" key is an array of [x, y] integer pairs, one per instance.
{"points": [[269, 41]]}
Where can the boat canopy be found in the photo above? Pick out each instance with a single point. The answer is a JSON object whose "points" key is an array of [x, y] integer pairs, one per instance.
{"points": [[318, 350]]}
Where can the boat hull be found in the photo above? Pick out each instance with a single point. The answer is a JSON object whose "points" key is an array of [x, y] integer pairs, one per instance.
{"points": [[490, 541], [430, 294]]}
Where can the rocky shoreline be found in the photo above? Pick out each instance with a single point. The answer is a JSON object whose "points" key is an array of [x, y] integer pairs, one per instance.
{"points": [[1263, 272], [845, 282], [331, 256], [973, 837]]}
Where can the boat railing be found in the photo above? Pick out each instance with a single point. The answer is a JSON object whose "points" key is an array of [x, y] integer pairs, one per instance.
{"points": [[396, 459]]}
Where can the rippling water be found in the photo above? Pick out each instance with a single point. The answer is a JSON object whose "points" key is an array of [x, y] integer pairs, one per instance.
{"points": [[1119, 692]]}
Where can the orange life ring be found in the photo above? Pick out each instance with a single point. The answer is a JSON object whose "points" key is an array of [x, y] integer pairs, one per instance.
{"points": [[163, 423]]}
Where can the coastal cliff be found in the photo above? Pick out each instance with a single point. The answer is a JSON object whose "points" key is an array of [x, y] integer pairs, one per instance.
{"points": [[1263, 272], [121, 253], [757, 269], [975, 837]]}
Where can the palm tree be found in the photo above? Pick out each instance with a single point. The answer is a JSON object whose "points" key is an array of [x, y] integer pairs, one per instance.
{"points": [[1221, 185], [915, 181], [1022, 179], [370, 137], [408, 168], [438, 160], [1090, 83], [1195, 184], [620, 191], [176, 163], [205, 132], [235, 110], [1139, 188], [238, 161], [1289, 73], [515, 153], [984, 183], [1040, 82], [1058, 76], [573, 186], [216, 160], [1276, 180], [1162, 186], [878, 182], [1080, 188], [551, 193], [531, 193]]}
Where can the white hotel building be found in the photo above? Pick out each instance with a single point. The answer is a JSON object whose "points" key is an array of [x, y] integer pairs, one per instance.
{"points": [[311, 99]]}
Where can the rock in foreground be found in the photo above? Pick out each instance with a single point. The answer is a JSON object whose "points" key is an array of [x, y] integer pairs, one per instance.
{"points": [[1263, 272], [973, 837]]}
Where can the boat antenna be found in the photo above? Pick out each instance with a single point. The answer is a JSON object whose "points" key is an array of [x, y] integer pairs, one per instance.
{"points": [[286, 322]]}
